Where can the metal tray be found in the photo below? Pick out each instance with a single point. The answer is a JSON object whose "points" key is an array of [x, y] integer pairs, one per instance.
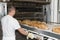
{"points": [[47, 33]]}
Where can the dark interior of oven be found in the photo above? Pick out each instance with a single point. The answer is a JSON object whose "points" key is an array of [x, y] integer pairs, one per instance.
{"points": [[29, 10]]}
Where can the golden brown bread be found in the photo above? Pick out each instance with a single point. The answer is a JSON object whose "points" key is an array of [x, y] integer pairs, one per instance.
{"points": [[38, 24], [56, 30], [26, 22], [43, 27]]}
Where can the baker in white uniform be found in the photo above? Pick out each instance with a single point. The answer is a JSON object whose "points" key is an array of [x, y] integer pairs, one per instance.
{"points": [[10, 24]]}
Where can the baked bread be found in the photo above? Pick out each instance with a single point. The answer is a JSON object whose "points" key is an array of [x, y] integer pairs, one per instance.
{"points": [[26, 22], [56, 30], [42, 26], [38, 24]]}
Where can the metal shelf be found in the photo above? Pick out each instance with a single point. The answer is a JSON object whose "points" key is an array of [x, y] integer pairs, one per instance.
{"points": [[33, 1]]}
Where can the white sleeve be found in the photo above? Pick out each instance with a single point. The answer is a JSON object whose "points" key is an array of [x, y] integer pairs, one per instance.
{"points": [[16, 25]]}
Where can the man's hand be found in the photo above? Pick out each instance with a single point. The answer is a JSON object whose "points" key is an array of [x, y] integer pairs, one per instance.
{"points": [[30, 35]]}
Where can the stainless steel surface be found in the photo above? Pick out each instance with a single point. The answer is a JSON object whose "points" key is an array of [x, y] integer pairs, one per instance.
{"points": [[42, 32], [3, 9]]}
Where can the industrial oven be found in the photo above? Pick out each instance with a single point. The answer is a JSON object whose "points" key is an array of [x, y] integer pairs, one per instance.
{"points": [[34, 11]]}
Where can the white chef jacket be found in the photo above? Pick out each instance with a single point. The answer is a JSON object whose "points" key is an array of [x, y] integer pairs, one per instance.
{"points": [[9, 25]]}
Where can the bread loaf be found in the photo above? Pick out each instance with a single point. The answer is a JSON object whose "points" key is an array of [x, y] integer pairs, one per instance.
{"points": [[56, 30]]}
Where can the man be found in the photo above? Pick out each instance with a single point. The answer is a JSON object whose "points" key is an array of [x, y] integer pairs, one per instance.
{"points": [[10, 24]]}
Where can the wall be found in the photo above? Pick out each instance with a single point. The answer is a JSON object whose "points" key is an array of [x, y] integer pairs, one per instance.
{"points": [[48, 12], [53, 16], [59, 11]]}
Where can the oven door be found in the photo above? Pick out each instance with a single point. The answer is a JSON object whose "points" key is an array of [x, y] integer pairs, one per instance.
{"points": [[3, 9]]}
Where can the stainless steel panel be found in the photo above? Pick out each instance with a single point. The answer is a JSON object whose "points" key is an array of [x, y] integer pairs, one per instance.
{"points": [[42, 32]]}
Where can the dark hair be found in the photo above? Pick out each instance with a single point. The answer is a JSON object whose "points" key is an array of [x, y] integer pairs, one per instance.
{"points": [[9, 8]]}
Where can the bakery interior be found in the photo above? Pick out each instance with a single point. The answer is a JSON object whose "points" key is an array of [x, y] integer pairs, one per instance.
{"points": [[40, 17]]}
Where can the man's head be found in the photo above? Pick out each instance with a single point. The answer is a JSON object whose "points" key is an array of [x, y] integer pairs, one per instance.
{"points": [[11, 11]]}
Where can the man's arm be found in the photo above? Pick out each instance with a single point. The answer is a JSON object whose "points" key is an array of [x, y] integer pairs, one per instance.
{"points": [[22, 31]]}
